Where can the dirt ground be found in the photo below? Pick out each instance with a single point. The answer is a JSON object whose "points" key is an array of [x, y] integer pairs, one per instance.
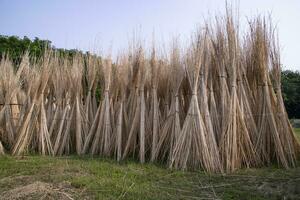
{"points": [[27, 187]]}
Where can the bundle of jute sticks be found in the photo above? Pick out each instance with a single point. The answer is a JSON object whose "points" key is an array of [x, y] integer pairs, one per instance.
{"points": [[216, 105]]}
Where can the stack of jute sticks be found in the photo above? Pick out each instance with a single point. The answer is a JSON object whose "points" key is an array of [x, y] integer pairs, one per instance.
{"points": [[216, 105]]}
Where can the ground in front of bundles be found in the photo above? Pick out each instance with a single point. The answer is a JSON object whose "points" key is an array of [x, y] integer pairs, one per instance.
{"points": [[40, 177]]}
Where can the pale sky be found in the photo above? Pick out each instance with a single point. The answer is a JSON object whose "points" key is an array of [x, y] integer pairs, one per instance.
{"points": [[91, 24]]}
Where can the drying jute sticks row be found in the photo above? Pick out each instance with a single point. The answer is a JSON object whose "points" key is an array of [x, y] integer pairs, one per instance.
{"points": [[215, 105]]}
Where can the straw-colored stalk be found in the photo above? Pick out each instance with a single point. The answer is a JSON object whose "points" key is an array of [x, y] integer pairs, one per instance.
{"points": [[154, 109], [91, 78], [80, 126], [44, 141], [121, 119], [1, 149]]}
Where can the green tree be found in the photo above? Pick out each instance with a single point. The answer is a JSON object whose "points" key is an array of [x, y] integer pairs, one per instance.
{"points": [[15, 47], [291, 92]]}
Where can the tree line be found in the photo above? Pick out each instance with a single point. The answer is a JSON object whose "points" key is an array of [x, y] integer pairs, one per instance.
{"points": [[15, 47]]}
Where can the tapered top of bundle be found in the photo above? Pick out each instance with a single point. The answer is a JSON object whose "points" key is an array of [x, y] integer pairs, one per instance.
{"points": [[275, 63], [9, 82], [106, 64], [138, 68], [122, 74], [232, 49], [260, 44], [219, 47], [206, 60], [91, 70], [193, 61], [31, 78], [46, 70], [154, 69], [76, 74], [23, 65], [59, 81], [176, 67], [36, 77]]}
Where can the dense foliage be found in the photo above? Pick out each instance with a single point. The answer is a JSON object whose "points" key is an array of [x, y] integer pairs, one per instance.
{"points": [[291, 92], [15, 47]]}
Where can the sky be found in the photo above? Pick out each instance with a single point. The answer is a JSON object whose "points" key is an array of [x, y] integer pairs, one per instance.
{"points": [[108, 26]]}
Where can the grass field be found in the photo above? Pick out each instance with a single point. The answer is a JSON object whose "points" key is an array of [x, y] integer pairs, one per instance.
{"points": [[38, 177]]}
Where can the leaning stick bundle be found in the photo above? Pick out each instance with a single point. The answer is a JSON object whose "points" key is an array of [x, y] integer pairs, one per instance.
{"points": [[142, 131], [44, 141], [171, 128], [218, 41], [121, 119], [203, 100], [102, 143], [236, 148], [106, 140], [55, 100], [93, 136], [9, 87], [215, 118], [80, 125], [287, 136], [91, 72], [42, 133], [28, 125], [192, 149], [269, 146], [63, 139], [60, 116], [138, 128], [154, 108], [8, 95]]}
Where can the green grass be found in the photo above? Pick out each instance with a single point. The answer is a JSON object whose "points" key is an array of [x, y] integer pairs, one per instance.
{"points": [[297, 131], [96, 178]]}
